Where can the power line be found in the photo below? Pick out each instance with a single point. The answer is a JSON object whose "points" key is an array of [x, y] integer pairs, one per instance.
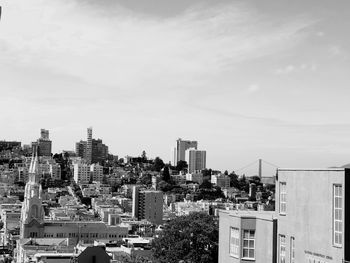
{"points": [[271, 164]]}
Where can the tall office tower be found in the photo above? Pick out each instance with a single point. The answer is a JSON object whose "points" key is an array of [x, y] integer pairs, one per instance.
{"points": [[147, 204], [89, 145], [44, 144], [195, 159], [181, 147]]}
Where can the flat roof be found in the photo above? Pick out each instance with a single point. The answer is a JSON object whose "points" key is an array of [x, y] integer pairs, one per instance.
{"points": [[265, 215], [312, 169]]}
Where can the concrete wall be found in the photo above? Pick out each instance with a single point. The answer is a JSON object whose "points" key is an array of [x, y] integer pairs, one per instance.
{"points": [[309, 213]]}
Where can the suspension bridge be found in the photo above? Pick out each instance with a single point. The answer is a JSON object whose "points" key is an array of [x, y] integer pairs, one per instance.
{"points": [[259, 167]]}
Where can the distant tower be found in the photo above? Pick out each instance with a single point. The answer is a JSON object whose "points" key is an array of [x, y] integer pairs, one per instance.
{"points": [[196, 160], [89, 145], [260, 168], [32, 214], [181, 147]]}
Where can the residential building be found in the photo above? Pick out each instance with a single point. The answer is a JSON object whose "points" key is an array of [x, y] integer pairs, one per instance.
{"points": [[80, 149], [99, 151], [81, 173], [55, 171], [195, 159], [221, 180], [9, 145], [96, 171], [196, 177], [44, 143], [147, 204]]}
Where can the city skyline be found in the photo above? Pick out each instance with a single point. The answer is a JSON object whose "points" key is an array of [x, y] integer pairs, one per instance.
{"points": [[246, 80]]}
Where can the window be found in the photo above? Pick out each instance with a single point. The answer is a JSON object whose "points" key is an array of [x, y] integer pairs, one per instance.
{"points": [[282, 249], [283, 198], [337, 215], [234, 242], [249, 244], [292, 250]]}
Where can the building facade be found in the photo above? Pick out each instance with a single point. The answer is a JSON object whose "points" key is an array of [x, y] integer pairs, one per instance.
{"points": [[88, 152], [312, 209], [44, 143], [180, 149], [247, 237], [195, 159], [81, 173], [147, 204]]}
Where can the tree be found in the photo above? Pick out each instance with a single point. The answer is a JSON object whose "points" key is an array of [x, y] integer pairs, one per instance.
{"points": [[181, 165], [192, 238], [158, 164], [234, 180], [144, 156], [206, 185], [166, 174], [243, 184]]}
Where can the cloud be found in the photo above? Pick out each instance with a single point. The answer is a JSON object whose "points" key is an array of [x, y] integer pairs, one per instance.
{"points": [[253, 88], [114, 48], [294, 68]]}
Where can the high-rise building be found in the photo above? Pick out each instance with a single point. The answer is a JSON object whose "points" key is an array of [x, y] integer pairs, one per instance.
{"points": [[43, 145], [92, 150], [44, 134], [88, 156], [195, 159], [179, 152], [80, 149], [147, 204], [99, 152]]}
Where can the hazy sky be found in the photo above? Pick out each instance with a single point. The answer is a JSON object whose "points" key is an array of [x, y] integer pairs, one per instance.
{"points": [[247, 79]]}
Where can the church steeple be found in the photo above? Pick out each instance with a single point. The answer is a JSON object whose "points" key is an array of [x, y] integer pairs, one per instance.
{"points": [[32, 208], [34, 169]]}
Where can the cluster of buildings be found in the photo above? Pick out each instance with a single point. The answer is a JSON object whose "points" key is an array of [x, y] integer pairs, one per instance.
{"points": [[61, 223], [92, 150]]}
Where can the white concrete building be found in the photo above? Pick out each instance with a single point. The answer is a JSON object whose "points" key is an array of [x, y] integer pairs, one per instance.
{"points": [[81, 173]]}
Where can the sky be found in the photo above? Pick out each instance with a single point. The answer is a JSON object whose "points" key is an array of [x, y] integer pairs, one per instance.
{"points": [[246, 79]]}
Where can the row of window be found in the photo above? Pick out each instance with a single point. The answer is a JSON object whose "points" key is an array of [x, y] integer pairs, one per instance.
{"points": [[283, 249], [248, 243], [337, 210]]}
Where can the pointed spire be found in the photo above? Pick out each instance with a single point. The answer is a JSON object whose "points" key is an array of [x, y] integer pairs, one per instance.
{"points": [[34, 163]]}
